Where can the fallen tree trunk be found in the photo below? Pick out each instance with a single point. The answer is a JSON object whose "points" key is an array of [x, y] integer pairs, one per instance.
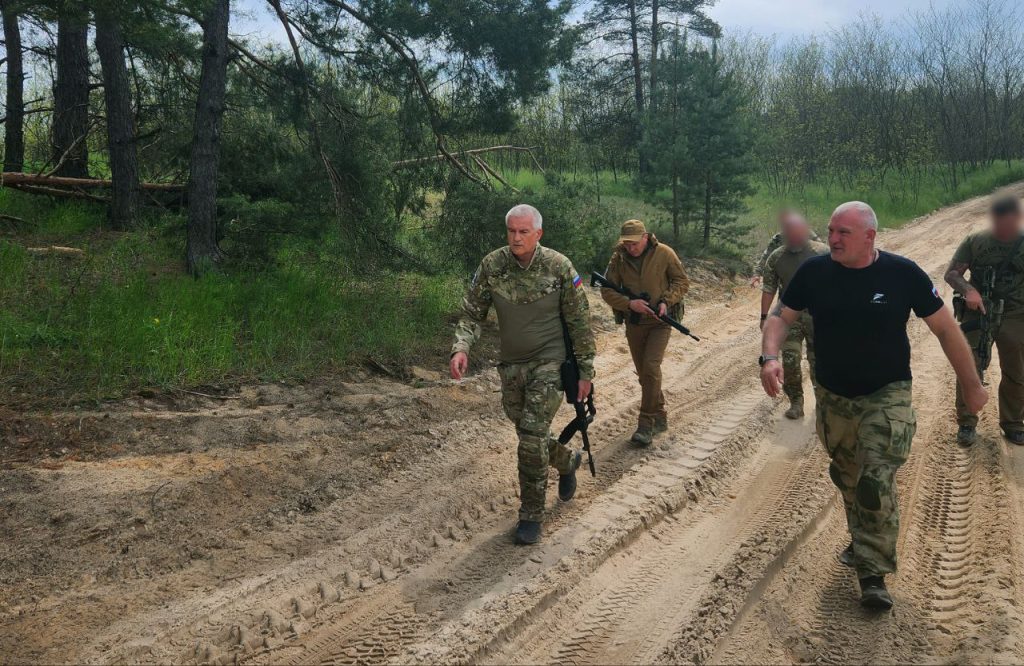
{"points": [[16, 178], [56, 250], [57, 192]]}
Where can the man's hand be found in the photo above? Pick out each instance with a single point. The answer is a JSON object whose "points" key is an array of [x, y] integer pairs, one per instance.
{"points": [[771, 378], [755, 281], [975, 397], [459, 364], [640, 306], [585, 386], [975, 301], [662, 309]]}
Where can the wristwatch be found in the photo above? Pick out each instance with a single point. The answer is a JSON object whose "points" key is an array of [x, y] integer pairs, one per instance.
{"points": [[761, 360]]}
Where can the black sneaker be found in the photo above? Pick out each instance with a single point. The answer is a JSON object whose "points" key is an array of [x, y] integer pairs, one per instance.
{"points": [[873, 594], [567, 482], [846, 556], [527, 532], [966, 435], [1016, 437]]}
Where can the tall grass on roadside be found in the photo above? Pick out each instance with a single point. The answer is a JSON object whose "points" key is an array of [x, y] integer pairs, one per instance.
{"points": [[109, 323]]}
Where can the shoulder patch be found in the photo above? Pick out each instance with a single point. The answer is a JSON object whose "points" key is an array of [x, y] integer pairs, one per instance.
{"points": [[577, 281]]}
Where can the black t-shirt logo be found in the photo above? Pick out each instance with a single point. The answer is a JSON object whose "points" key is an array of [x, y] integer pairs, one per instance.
{"points": [[879, 299]]}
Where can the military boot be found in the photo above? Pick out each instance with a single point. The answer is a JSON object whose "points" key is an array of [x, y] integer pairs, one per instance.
{"points": [[567, 482], [846, 556], [796, 408], [660, 424], [527, 532], [966, 435], [1016, 437], [644, 434], [873, 594]]}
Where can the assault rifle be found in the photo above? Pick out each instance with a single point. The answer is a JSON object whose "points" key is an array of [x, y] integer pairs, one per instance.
{"points": [[987, 322], [598, 280], [585, 411]]}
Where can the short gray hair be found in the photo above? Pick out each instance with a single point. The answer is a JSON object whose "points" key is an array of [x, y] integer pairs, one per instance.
{"points": [[524, 210], [867, 214]]}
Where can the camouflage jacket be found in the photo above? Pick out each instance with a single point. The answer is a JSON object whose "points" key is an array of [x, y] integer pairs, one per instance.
{"points": [[774, 244], [980, 251], [531, 303]]}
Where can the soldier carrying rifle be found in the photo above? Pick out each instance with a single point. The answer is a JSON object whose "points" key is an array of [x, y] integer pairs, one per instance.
{"points": [[644, 265], [540, 302], [991, 308]]}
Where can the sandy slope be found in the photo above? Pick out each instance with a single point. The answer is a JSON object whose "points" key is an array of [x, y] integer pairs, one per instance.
{"points": [[370, 522]]}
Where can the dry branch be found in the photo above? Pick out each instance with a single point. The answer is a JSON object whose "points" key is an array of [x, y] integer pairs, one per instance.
{"points": [[404, 164]]}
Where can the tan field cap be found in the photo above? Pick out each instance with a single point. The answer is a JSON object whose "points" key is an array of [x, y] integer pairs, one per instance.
{"points": [[632, 231]]}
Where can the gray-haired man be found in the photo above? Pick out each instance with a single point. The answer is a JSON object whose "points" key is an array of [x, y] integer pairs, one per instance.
{"points": [[534, 290], [860, 300]]}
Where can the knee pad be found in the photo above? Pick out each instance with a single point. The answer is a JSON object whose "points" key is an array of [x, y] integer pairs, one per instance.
{"points": [[833, 473], [869, 493]]}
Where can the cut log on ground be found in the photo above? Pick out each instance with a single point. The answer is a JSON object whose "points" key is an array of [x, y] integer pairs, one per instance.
{"points": [[15, 178], [56, 250]]}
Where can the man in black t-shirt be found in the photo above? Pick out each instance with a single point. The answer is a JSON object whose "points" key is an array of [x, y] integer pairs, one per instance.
{"points": [[860, 300]]}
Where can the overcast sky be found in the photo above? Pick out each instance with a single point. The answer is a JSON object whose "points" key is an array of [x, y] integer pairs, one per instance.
{"points": [[785, 18]]}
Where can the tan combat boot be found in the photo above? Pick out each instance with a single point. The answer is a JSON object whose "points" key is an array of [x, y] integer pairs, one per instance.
{"points": [[644, 434], [796, 409], [660, 424]]}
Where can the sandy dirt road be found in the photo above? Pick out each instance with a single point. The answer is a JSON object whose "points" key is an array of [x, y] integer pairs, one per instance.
{"points": [[370, 522]]}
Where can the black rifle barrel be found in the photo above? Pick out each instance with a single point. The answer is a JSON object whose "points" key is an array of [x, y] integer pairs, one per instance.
{"points": [[599, 280]]}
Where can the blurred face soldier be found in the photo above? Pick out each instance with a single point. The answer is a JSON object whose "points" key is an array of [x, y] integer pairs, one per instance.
{"points": [[780, 267], [534, 290], [860, 300], [774, 243], [996, 264], [646, 266]]}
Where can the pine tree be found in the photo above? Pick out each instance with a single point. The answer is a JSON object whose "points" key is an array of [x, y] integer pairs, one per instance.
{"points": [[699, 141]]}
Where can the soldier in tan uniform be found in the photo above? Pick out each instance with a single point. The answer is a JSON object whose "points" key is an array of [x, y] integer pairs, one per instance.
{"points": [[644, 265], [796, 248], [535, 292], [995, 255]]}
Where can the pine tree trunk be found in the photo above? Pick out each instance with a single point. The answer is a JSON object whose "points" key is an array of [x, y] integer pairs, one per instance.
{"points": [[124, 164], [201, 250], [14, 125], [71, 98], [707, 211], [655, 32], [638, 83]]}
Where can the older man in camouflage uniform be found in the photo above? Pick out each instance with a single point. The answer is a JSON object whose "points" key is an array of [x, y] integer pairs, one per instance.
{"points": [[860, 300], [535, 292], [778, 271]]}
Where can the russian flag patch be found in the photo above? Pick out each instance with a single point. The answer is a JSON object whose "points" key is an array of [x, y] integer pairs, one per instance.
{"points": [[577, 281]]}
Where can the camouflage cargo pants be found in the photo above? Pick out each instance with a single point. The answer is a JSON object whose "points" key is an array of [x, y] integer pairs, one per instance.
{"points": [[1009, 344], [867, 439], [531, 393], [800, 333]]}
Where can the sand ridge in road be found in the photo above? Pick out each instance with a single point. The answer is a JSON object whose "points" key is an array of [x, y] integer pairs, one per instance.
{"points": [[363, 540]]}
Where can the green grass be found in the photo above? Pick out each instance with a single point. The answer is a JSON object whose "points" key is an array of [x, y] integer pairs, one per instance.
{"points": [[126, 316], [894, 203]]}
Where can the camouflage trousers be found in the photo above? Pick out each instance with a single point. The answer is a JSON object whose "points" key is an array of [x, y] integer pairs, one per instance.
{"points": [[531, 394], [1009, 344], [867, 439], [800, 333]]}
